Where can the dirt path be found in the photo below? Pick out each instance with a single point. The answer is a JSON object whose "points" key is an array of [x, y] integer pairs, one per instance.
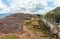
{"points": [[26, 34]]}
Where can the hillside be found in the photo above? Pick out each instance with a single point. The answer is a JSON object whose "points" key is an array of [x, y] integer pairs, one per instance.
{"points": [[13, 23], [23, 26], [54, 15]]}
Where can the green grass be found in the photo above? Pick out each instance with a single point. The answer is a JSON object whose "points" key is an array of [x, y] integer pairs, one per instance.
{"points": [[8, 37], [43, 28], [29, 27]]}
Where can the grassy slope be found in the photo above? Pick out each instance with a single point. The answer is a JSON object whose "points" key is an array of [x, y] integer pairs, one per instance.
{"points": [[42, 28], [8, 37]]}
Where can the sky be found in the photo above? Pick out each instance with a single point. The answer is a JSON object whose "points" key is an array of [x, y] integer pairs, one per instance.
{"points": [[28, 6]]}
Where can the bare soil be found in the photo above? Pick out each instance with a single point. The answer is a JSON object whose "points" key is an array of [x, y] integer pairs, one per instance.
{"points": [[27, 34]]}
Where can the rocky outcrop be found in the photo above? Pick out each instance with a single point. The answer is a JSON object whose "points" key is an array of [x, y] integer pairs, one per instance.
{"points": [[13, 23]]}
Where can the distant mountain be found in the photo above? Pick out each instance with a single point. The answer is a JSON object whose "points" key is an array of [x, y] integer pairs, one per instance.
{"points": [[4, 15]]}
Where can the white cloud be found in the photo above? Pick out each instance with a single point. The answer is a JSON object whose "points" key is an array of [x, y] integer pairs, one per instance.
{"points": [[57, 3], [29, 6], [43, 11], [43, 2], [26, 5], [3, 8], [48, 9], [50, 0]]}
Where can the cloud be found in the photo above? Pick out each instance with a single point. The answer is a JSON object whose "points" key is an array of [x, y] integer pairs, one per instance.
{"points": [[32, 6], [4, 8], [28, 6], [57, 3], [50, 0]]}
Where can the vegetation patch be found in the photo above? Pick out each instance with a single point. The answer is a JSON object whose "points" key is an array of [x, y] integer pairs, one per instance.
{"points": [[8, 37]]}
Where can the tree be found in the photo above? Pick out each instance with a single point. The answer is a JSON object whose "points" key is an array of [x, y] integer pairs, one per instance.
{"points": [[54, 14]]}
